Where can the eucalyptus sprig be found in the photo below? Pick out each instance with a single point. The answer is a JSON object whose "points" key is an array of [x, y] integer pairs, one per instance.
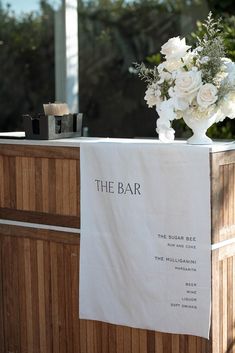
{"points": [[212, 47], [147, 74]]}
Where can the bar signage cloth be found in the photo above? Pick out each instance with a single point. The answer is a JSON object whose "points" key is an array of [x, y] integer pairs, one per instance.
{"points": [[145, 236]]}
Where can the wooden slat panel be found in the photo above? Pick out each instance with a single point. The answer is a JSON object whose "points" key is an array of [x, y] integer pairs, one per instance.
{"points": [[48, 307], [36, 183], [223, 196]]}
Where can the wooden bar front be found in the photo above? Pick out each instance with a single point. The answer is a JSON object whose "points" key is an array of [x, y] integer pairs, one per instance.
{"points": [[39, 274]]}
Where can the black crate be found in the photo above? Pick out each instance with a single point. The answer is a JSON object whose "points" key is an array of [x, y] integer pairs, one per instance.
{"points": [[50, 127]]}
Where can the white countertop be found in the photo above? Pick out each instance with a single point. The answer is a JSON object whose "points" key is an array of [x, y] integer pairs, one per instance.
{"points": [[217, 146]]}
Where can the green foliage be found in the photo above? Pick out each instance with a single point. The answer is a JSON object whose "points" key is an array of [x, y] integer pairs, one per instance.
{"points": [[213, 48], [27, 63], [112, 35], [225, 129]]}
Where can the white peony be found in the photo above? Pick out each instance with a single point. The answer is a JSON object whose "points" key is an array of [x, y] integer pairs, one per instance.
{"points": [[207, 95], [153, 95], [187, 85], [175, 48], [227, 106]]}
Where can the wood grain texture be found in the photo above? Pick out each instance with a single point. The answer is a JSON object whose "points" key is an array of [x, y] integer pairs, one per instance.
{"points": [[223, 195], [39, 272], [39, 301], [41, 312], [43, 181]]}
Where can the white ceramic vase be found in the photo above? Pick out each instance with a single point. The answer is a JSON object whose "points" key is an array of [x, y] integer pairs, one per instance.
{"points": [[199, 127]]}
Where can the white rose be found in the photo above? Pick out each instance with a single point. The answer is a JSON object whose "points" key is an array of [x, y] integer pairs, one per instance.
{"points": [[207, 95], [173, 65], [175, 48], [187, 84], [153, 95], [227, 106]]}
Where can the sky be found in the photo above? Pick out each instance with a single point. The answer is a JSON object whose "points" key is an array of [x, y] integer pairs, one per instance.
{"points": [[23, 6], [20, 6]]}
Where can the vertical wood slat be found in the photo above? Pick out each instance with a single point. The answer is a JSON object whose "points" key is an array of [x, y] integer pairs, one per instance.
{"points": [[230, 195], [55, 299], [9, 169], [230, 306], [19, 184], [28, 295], [11, 299], [233, 296], [45, 185], [22, 296], [73, 188], [1, 182], [42, 299], [215, 329], [2, 338], [38, 185]]}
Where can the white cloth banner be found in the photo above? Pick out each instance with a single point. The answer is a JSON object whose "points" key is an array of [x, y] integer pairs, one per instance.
{"points": [[145, 236]]}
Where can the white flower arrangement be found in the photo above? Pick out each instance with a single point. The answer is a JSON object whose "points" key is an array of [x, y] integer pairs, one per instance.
{"points": [[199, 82]]}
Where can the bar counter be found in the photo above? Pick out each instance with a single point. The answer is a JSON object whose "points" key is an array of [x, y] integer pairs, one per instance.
{"points": [[39, 255]]}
